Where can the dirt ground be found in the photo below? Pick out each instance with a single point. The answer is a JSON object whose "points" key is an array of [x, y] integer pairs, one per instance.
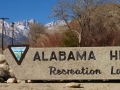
{"points": [[59, 86]]}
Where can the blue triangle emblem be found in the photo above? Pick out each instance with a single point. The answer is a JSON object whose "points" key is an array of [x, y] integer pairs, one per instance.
{"points": [[18, 52]]}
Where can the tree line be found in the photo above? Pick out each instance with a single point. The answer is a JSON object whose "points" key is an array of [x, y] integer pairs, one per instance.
{"points": [[88, 22]]}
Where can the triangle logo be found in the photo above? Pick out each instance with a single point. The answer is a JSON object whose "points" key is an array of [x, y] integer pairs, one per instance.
{"points": [[18, 52]]}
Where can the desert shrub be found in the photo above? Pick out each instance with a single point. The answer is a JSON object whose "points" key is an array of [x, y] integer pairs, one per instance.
{"points": [[35, 30], [69, 39], [103, 37], [48, 40]]}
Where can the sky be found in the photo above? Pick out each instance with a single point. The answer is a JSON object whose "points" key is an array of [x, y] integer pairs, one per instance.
{"points": [[16, 49], [17, 10]]}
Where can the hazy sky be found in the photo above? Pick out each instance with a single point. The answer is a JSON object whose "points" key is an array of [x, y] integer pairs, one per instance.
{"points": [[17, 10]]}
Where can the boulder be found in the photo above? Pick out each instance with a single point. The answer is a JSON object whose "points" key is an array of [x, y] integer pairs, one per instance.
{"points": [[11, 80], [5, 71], [2, 58], [4, 74], [11, 73], [2, 80], [18, 81], [3, 63], [73, 85], [29, 81], [4, 66]]}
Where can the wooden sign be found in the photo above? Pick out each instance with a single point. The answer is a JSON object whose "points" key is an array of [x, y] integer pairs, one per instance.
{"points": [[69, 63]]}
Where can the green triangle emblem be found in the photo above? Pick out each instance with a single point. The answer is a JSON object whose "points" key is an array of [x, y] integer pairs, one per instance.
{"points": [[18, 52]]}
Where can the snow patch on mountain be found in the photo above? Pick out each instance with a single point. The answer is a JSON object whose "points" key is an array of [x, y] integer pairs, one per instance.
{"points": [[54, 24]]}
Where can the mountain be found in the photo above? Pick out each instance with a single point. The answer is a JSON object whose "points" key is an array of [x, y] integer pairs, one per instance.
{"points": [[54, 24], [21, 30]]}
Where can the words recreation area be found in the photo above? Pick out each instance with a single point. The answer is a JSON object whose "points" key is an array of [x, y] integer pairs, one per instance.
{"points": [[69, 63]]}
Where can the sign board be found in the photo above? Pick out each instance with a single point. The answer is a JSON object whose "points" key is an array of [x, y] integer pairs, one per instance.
{"points": [[68, 63]]}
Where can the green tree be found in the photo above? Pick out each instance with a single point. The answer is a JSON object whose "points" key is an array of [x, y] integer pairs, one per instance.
{"points": [[69, 39]]}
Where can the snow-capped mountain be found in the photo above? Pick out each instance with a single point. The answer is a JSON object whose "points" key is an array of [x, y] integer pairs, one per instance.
{"points": [[21, 30], [54, 24]]}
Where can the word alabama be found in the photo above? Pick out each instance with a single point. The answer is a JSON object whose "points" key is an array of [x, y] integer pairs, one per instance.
{"points": [[61, 55]]}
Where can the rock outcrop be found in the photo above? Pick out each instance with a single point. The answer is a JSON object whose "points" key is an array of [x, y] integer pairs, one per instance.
{"points": [[5, 71]]}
